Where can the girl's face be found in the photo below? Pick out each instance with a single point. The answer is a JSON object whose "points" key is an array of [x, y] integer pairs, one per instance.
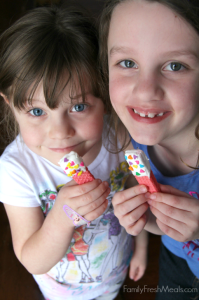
{"points": [[153, 59], [73, 126]]}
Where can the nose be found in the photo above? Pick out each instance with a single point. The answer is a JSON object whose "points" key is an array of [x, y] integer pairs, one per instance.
{"points": [[148, 87], [61, 128]]}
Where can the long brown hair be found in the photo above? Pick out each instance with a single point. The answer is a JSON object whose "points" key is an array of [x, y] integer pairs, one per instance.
{"points": [[188, 9]]}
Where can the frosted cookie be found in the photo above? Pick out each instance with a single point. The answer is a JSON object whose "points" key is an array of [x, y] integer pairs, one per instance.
{"points": [[73, 166], [141, 169]]}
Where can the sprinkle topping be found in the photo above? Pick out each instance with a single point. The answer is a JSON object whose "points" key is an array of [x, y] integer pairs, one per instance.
{"points": [[138, 163], [72, 164]]}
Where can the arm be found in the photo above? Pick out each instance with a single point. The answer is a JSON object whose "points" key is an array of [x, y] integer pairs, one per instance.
{"points": [[139, 260], [40, 243]]}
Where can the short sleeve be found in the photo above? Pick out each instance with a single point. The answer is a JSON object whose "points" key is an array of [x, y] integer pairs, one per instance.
{"points": [[16, 186]]}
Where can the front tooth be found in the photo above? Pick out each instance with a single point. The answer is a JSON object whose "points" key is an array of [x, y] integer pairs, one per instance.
{"points": [[151, 115], [160, 114], [142, 115], [135, 111]]}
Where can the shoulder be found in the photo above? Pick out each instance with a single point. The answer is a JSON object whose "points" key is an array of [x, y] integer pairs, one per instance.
{"points": [[9, 150], [16, 155], [11, 156]]}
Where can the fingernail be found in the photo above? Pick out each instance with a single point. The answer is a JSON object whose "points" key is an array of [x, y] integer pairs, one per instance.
{"points": [[106, 183], [143, 189], [152, 196], [99, 181], [147, 195]]}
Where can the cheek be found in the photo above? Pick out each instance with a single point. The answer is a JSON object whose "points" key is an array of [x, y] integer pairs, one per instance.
{"points": [[31, 135], [187, 98], [117, 97], [119, 89], [195, 96], [94, 128], [27, 138]]}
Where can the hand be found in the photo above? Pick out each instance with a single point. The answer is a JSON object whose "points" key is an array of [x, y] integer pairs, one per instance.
{"points": [[130, 208], [88, 200], [138, 264], [177, 213]]}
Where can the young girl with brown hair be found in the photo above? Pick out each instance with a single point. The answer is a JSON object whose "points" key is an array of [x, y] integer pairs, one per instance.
{"points": [[51, 87], [150, 55]]}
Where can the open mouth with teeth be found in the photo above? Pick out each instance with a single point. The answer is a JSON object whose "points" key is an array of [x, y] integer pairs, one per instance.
{"points": [[149, 115]]}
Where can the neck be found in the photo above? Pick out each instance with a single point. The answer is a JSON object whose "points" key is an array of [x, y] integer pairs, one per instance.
{"points": [[174, 159], [91, 155]]}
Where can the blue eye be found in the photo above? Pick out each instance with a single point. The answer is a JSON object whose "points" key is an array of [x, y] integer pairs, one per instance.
{"points": [[175, 66], [79, 107], [128, 64], [37, 112]]}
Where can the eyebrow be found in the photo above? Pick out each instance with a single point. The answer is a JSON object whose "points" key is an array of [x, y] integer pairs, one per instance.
{"points": [[114, 50], [33, 100], [33, 103], [183, 53]]}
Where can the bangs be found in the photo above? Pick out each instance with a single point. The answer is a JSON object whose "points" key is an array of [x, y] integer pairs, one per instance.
{"points": [[56, 68], [55, 48]]}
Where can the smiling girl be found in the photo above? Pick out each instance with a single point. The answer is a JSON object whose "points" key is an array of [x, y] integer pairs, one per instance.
{"points": [[150, 52], [52, 90]]}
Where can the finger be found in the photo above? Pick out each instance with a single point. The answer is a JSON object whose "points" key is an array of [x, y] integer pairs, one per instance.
{"points": [[181, 231], [97, 212], [186, 202], [169, 222], [95, 194], [129, 206], [93, 205], [174, 234], [72, 189], [87, 193], [171, 212], [130, 193], [134, 228]]}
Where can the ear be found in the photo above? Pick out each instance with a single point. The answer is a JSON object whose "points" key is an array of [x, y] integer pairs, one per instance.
{"points": [[5, 98]]}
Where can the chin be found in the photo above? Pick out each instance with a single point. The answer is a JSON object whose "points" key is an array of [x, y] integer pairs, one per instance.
{"points": [[145, 140]]}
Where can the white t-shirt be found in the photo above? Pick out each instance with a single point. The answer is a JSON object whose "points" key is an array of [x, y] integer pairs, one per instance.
{"points": [[98, 255]]}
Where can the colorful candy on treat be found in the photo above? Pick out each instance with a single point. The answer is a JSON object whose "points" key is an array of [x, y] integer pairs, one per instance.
{"points": [[140, 167], [73, 166]]}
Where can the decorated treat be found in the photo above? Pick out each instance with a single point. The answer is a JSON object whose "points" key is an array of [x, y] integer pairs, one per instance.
{"points": [[140, 167], [73, 166]]}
